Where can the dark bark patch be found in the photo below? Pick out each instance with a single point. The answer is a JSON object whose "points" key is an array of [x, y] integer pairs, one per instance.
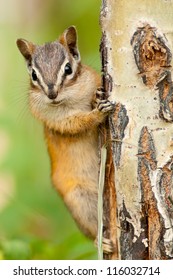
{"points": [[132, 247], [155, 224], [151, 53], [118, 124], [165, 87], [153, 58], [110, 203]]}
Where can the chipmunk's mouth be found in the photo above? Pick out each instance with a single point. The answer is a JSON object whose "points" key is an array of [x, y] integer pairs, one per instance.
{"points": [[55, 103]]}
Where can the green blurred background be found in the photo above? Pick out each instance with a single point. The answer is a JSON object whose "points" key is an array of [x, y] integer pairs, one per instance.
{"points": [[34, 223]]}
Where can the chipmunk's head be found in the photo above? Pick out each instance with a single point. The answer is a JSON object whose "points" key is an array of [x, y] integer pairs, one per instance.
{"points": [[53, 67]]}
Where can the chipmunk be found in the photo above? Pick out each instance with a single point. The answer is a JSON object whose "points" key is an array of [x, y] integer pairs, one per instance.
{"points": [[62, 93]]}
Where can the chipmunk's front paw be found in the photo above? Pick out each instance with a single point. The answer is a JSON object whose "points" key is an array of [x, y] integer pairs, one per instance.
{"points": [[106, 106], [100, 94]]}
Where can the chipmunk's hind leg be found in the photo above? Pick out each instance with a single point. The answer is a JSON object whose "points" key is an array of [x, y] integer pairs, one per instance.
{"points": [[85, 212], [107, 245]]}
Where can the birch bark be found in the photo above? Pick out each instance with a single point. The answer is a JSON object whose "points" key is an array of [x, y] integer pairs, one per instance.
{"points": [[136, 56]]}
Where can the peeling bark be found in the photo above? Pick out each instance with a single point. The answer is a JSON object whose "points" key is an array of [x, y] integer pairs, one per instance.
{"points": [[118, 125], [139, 170], [148, 46], [105, 139], [153, 58], [147, 164], [151, 53]]}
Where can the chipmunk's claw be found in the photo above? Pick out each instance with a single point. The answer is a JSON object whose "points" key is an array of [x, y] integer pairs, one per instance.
{"points": [[100, 94], [106, 106]]}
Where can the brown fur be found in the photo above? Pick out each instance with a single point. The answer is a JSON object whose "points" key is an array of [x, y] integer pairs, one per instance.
{"points": [[71, 125]]}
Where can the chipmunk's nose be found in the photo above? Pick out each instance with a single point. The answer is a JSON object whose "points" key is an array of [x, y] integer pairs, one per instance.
{"points": [[51, 93]]}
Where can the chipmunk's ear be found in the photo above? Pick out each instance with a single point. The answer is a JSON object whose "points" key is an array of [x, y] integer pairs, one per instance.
{"points": [[69, 40], [26, 48]]}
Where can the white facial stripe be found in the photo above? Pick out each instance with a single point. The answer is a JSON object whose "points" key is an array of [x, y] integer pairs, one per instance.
{"points": [[60, 75], [40, 79], [61, 72]]}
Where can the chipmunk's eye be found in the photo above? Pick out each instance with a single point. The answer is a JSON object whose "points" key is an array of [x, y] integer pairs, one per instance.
{"points": [[68, 69], [34, 75]]}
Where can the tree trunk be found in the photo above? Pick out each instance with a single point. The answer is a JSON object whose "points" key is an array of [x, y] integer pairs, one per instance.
{"points": [[136, 58]]}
